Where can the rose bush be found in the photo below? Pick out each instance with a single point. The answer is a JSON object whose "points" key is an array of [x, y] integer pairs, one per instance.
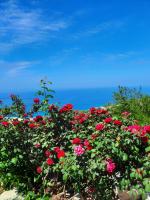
{"points": [[90, 152]]}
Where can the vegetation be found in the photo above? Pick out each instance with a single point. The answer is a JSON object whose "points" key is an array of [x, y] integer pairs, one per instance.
{"points": [[67, 151], [133, 101]]}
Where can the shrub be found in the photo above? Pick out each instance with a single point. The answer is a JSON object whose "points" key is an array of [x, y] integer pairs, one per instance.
{"points": [[91, 152], [132, 100]]}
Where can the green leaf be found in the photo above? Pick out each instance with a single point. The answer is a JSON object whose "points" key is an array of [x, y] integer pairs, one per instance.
{"points": [[65, 177], [2, 165], [147, 149], [14, 160], [147, 187], [125, 157]]}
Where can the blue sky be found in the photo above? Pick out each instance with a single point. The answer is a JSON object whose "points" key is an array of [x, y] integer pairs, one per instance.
{"points": [[74, 43]]}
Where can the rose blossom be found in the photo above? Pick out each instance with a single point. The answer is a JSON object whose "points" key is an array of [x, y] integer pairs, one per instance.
{"points": [[5, 123], [32, 125], [86, 143], [36, 100], [144, 139], [117, 122], [38, 118], [60, 154], [99, 127], [134, 128], [66, 108], [1, 117], [76, 141], [56, 149], [39, 170], [15, 122], [147, 128], [108, 120], [92, 110], [110, 166], [79, 150], [47, 153], [49, 161]]}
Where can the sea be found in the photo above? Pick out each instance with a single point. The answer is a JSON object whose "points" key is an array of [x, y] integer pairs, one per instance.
{"points": [[82, 99]]}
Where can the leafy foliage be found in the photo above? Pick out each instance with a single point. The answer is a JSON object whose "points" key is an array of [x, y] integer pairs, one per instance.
{"points": [[132, 100], [91, 152]]}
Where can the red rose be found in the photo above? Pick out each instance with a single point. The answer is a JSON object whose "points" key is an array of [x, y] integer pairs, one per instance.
{"points": [[76, 141], [36, 100], [66, 108], [60, 154], [56, 149], [117, 122], [4, 123], [89, 147], [144, 139], [47, 153], [101, 111], [52, 107], [43, 122], [15, 122], [32, 125], [39, 170], [92, 110], [146, 129], [83, 119], [38, 118], [86, 143], [108, 120], [99, 127], [1, 117], [26, 121], [69, 106], [49, 161]]}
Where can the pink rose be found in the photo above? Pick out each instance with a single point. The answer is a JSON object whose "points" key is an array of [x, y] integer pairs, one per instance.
{"points": [[110, 166], [79, 150]]}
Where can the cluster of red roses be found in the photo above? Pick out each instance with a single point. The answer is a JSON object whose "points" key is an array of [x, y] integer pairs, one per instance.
{"points": [[79, 118], [66, 108], [98, 111], [57, 153]]}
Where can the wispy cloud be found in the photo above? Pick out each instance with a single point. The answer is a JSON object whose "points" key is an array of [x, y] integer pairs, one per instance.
{"points": [[23, 26], [13, 69], [120, 55], [103, 27]]}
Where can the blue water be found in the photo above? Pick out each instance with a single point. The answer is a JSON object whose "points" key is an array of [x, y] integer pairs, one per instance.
{"points": [[81, 98]]}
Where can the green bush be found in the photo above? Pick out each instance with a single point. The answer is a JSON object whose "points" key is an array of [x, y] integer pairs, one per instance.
{"points": [[133, 101], [91, 153]]}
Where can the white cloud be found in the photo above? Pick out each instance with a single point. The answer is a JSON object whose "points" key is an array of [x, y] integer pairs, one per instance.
{"points": [[23, 26], [12, 69]]}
